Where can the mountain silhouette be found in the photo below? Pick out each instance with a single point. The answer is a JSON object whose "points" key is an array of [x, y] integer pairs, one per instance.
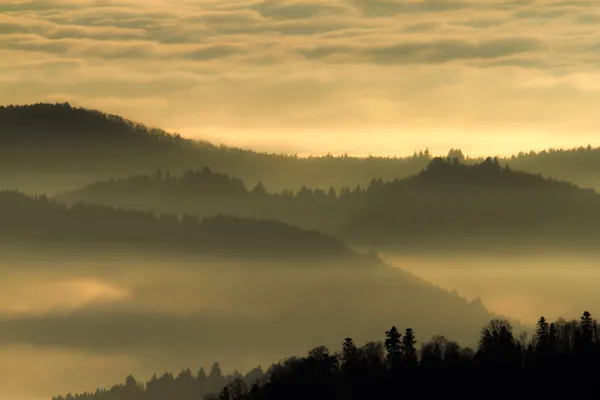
{"points": [[35, 219], [69, 146], [56, 147], [448, 204]]}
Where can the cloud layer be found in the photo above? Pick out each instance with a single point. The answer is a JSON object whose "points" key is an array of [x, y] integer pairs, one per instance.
{"points": [[289, 72]]}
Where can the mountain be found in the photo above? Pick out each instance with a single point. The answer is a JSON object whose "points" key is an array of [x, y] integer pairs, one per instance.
{"points": [[55, 147], [465, 206], [28, 220], [448, 204], [48, 148]]}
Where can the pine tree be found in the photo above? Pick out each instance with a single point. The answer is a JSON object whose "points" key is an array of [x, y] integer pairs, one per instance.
{"points": [[586, 322], [349, 352], [393, 346], [259, 189], [215, 378], [552, 336], [586, 333], [542, 333], [408, 347], [331, 194]]}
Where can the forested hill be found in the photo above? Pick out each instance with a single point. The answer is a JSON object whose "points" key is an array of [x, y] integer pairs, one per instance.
{"points": [[36, 219], [62, 139], [445, 203], [451, 204], [67, 147], [71, 146], [196, 185], [507, 363]]}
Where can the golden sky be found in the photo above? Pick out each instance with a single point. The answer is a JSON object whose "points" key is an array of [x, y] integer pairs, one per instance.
{"points": [[356, 76]]}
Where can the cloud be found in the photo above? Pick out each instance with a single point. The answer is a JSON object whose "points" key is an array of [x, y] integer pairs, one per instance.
{"points": [[212, 52], [427, 26], [279, 10], [33, 5], [294, 64], [430, 52], [377, 8], [481, 23], [588, 19], [541, 14]]}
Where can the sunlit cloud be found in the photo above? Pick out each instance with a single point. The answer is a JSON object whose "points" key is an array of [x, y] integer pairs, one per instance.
{"points": [[317, 71]]}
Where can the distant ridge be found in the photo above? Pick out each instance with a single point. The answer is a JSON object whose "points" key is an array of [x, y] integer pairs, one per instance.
{"points": [[28, 220], [447, 204], [71, 146]]}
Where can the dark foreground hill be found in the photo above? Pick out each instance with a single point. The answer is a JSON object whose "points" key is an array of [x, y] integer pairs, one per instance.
{"points": [[54, 147], [448, 204], [397, 366]]}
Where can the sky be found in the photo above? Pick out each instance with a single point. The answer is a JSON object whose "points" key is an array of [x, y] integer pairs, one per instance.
{"points": [[380, 77]]}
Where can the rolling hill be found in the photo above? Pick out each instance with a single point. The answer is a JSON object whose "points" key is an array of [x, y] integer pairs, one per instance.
{"points": [[29, 220], [448, 204], [46, 148]]}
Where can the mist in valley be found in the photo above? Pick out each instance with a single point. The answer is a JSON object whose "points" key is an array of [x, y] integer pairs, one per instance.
{"points": [[82, 319], [523, 286]]}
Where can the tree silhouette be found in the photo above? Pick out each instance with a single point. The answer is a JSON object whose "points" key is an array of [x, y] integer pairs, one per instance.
{"points": [[508, 365], [393, 347], [349, 352], [408, 348], [542, 334], [447, 197]]}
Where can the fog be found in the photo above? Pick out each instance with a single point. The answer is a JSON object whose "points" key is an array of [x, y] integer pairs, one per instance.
{"points": [[85, 320], [521, 286], [79, 320], [48, 183]]}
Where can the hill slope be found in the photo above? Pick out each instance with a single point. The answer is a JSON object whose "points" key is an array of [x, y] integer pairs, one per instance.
{"points": [[55, 147]]}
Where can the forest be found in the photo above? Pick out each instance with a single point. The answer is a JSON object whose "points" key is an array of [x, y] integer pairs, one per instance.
{"points": [[442, 206], [565, 350], [68, 145], [31, 219]]}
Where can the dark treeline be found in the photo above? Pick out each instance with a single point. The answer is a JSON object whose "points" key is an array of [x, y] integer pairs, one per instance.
{"points": [[51, 139], [33, 219], [446, 203], [185, 385], [568, 351], [58, 137]]}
